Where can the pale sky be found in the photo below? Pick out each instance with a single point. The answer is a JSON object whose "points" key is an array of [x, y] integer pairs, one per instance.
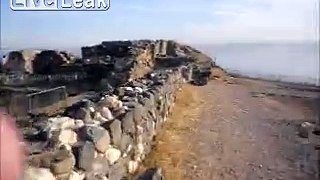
{"points": [[202, 21]]}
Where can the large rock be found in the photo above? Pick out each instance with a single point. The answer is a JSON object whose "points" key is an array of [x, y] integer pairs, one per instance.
{"points": [[128, 125], [63, 162], [106, 113], [64, 136], [19, 61], [115, 130], [112, 102], [305, 129], [61, 122], [99, 118], [126, 143], [100, 166], [83, 114], [120, 112], [85, 155], [82, 110], [99, 136], [112, 155], [218, 73], [41, 160], [48, 62], [38, 174], [150, 103], [139, 113], [119, 170]]}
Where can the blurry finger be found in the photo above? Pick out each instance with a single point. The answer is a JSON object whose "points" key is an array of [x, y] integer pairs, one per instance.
{"points": [[11, 151]]}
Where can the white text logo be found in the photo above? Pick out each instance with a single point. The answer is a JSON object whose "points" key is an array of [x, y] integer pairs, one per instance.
{"points": [[59, 5]]}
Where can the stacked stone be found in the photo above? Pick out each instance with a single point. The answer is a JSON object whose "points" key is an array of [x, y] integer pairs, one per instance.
{"points": [[35, 62], [109, 135], [107, 139], [130, 59]]}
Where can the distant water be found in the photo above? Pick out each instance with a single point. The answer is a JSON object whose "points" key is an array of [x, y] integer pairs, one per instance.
{"points": [[286, 62]]}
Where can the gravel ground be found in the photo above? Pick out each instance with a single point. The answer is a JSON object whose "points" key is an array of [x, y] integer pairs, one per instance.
{"points": [[241, 136]]}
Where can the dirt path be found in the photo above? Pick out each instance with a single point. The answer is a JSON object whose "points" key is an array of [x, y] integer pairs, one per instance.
{"points": [[244, 137], [235, 135], [173, 146]]}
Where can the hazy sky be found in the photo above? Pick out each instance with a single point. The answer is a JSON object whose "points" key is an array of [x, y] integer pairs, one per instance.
{"points": [[201, 21]]}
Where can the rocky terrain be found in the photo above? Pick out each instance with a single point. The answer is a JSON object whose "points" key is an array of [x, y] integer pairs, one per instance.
{"points": [[96, 117], [156, 110]]}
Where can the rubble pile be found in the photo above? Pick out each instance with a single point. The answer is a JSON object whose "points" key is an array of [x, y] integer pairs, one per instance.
{"points": [[130, 59], [108, 135]]}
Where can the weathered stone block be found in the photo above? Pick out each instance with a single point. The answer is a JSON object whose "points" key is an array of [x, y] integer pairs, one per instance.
{"points": [[106, 113], [99, 136], [139, 113], [126, 143], [115, 131], [60, 123], [62, 164], [41, 160], [111, 102], [118, 170], [112, 155], [83, 114], [65, 136], [127, 122], [101, 165], [38, 174], [305, 129], [85, 155]]}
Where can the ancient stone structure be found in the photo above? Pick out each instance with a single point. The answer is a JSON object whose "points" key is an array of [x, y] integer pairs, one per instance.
{"points": [[108, 135], [35, 61]]}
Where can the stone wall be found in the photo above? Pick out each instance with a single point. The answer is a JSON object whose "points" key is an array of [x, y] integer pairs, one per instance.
{"points": [[109, 138], [108, 135]]}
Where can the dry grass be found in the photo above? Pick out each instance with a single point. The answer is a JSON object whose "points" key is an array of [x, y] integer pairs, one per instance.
{"points": [[173, 147]]}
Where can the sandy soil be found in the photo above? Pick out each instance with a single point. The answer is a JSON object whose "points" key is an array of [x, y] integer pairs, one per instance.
{"points": [[240, 132]]}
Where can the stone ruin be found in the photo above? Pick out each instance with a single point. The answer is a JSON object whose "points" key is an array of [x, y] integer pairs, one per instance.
{"points": [[107, 134]]}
